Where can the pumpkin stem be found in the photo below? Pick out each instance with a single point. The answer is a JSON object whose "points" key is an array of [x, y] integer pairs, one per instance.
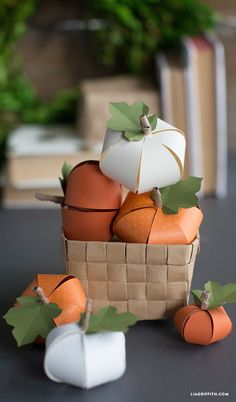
{"points": [[156, 197], [57, 199], [146, 126], [85, 323], [204, 298], [40, 294]]}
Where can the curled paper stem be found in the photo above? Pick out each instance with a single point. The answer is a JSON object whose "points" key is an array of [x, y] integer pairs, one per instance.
{"points": [[146, 126], [40, 294], [85, 323], [205, 296], [57, 199], [156, 197]]}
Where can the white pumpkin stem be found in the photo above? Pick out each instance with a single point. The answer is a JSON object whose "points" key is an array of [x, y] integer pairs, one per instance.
{"points": [[57, 199], [85, 323], [156, 197], [146, 126], [40, 294], [204, 298]]}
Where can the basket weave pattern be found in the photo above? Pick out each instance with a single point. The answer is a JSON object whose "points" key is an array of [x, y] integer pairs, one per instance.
{"points": [[151, 281]]}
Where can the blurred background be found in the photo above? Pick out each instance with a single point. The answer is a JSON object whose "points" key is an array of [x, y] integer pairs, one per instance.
{"points": [[61, 63]]}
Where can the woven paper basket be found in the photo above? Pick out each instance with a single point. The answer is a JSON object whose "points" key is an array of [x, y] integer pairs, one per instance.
{"points": [[151, 281]]}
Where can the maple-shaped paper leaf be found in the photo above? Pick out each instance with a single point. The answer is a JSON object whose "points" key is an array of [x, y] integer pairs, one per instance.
{"points": [[180, 195], [108, 320], [126, 118], [65, 171], [219, 295], [31, 319]]}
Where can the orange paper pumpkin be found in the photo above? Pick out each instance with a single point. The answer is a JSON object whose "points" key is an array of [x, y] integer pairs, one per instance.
{"points": [[202, 327], [141, 221], [63, 290], [91, 202]]}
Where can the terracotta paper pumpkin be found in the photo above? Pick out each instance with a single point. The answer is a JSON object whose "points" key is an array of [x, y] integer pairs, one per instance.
{"points": [[91, 202], [202, 327], [63, 290], [141, 221], [156, 160], [82, 360]]}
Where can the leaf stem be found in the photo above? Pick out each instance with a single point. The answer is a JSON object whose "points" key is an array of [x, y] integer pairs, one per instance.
{"points": [[146, 126], [85, 323], [204, 298], [156, 197], [40, 294]]}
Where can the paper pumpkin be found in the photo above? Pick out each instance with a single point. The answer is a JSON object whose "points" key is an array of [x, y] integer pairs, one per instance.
{"points": [[63, 290], [84, 360], [206, 321], [202, 327], [91, 353], [91, 202], [138, 157], [140, 220]]}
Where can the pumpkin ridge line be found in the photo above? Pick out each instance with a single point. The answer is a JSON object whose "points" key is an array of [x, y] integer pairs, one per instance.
{"points": [[186, 320], [177, 159], [156, 210], [212, 324]]}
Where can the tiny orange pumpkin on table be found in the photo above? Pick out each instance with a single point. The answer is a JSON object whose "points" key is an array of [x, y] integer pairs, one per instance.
{"points": [[206, 321], [169, 215]]}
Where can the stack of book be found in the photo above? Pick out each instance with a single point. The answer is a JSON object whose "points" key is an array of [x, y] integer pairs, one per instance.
{"points": [[193, 98], [34, 161]]}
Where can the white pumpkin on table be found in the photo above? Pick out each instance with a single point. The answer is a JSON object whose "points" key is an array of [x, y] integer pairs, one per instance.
{"points": [[90, 354]]}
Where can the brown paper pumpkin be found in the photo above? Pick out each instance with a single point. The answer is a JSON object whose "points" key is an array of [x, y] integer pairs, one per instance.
{"points": [[91, 202], [141, 221], [63, 290], [202, 327]]}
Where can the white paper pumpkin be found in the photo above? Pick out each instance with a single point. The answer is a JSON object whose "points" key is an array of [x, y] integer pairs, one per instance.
{"points": [[83, 360], [157, 160]]}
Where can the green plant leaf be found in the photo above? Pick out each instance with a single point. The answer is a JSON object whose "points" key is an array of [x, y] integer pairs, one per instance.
{"points": [[180, 195], [107, 320], [197, 296], [126, 118], [65, 171], [31, 319], [219, 295]]}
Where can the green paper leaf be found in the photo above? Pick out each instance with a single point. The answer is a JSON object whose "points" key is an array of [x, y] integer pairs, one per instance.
{"points": [[107, 320], [31, 319], [126, 118], [180, 195], [133, 137], [65, 171], [219, 295], [197, 296]]}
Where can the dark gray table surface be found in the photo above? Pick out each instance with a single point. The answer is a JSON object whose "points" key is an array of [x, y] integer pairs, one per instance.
{"points": [[160, 366]]}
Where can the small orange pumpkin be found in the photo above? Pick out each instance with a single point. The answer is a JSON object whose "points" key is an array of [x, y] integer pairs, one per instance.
{"points": [[202, 327], [63, 290], [140, 220], [206, 321]]}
